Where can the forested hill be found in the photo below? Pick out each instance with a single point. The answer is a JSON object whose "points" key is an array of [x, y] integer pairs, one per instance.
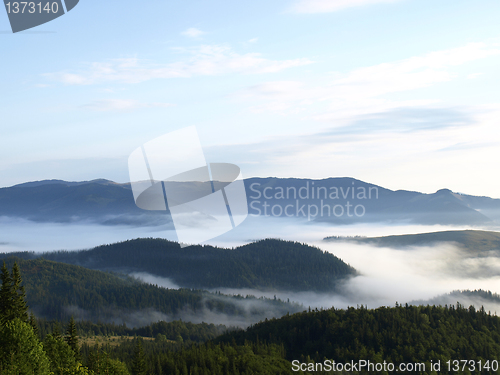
{"points": [[400, 334], [473, 241], [268, 264], [57, 291]]}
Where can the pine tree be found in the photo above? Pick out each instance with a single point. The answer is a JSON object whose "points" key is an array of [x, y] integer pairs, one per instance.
{"points": [[139, 363], [20, 310], [60, 355], [12, 295], [93, 359], [33, 323], [5, 295], [72, 338], [159, 370], [56, 331], [20, 351]]}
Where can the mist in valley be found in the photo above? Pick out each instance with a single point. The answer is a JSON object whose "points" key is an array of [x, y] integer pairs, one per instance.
{"points": [[386, 275], [25, 235], [391, 275], [250, 311]]}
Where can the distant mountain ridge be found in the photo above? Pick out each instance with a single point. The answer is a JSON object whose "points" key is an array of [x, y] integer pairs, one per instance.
{"points": [[337, 198], [67, 183], [102, 201], [348, 200]]}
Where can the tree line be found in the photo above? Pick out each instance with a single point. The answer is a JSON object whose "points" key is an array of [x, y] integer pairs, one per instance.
{"points": [[400, 334]]}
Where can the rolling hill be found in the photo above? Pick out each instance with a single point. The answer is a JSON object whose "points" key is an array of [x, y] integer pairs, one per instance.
{"points": [[401, 334], [57, 291], [265, 265]]}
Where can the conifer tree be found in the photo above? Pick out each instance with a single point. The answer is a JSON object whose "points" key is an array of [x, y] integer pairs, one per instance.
{"points": [[56, 331], [139, 363], [72, 338], [12, 295], [93, 359], [5, 295], [20, 351], [60, 354], [33, 323], [20, 310]]}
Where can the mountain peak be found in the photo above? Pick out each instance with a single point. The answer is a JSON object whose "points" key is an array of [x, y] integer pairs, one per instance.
{"points": [[444, 191]]}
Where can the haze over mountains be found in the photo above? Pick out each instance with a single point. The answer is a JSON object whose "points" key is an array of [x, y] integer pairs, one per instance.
{"points": [[378, 204], [332, 200], [436, 262]]}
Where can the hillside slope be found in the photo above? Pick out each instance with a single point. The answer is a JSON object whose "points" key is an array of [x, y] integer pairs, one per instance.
{"points": [[402, 334], [57, 291], [267, 264]]}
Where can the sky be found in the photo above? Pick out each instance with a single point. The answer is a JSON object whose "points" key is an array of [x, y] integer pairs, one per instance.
{"points": [[404, 94]]}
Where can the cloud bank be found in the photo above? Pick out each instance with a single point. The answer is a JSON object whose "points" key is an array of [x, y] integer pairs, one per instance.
{"points": [[205, 60]]}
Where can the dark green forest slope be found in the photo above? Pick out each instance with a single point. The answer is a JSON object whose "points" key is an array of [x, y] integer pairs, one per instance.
{"points": [[208, 358], [268, 264], [402, 334], [398, 335], [57, 291]]}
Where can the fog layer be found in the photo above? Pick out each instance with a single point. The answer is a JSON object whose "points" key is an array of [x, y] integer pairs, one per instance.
{"points": [[386, 275]]}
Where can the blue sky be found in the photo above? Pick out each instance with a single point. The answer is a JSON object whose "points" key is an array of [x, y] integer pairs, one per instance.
{"points": [[404, 94]]}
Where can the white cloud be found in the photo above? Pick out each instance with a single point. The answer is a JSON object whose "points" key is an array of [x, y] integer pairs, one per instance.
{"points": [[474, 75], [361, 90], [122, 105], [327, 6], [205, 60], [193, 32], [403, 149], [253, 40]]}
